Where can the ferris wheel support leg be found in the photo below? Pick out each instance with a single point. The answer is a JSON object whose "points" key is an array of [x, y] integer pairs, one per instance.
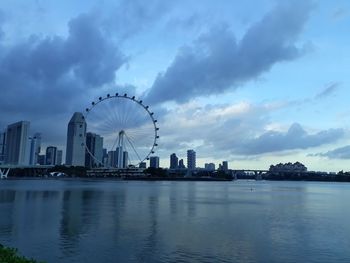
{"points": [[4, 173], [120, 160]]}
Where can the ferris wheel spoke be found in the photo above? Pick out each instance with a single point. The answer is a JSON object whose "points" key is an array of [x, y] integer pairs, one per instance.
{"points": [[115, 143], [128, 115], [124, 111], [132, 146], [117, 111], [107, 125], [114, 114], [103, 114]]}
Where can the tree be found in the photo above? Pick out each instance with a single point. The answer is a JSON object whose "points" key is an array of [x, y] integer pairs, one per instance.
{"points": [[9, 255]]}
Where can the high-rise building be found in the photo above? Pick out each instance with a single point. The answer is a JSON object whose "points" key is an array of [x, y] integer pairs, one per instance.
{"points": [[181, 164], [115, 161], [2, 146], [120, 157], [41, 159], [105, 157], [191, 159], [59, 157], [76, 138], [154, 162], [125, 159], [209, 166], [94, 150], [35, 148], [112, 158], [225, 165], [174, 161], [51, 155], [16, 143]]}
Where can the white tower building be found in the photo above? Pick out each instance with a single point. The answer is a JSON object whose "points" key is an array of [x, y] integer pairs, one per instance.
{"points": [[76, 136]]}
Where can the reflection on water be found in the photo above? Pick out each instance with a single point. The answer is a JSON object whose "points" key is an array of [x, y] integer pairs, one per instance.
{"points": [[114, 221]]}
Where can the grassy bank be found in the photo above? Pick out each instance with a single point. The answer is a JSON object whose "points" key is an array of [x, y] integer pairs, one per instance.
{"points": [[10, 255]]}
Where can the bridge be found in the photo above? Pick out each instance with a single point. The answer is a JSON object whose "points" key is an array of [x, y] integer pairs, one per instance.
{"points": [[33, 169]]}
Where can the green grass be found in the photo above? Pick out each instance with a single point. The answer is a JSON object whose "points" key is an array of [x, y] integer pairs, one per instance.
{"points": [[10, 255]]}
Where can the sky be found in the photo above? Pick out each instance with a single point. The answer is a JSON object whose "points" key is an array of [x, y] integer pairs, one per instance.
{"points": [[254, 82]]}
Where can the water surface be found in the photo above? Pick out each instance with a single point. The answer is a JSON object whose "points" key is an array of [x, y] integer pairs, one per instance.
{"points": [[119, 221]]}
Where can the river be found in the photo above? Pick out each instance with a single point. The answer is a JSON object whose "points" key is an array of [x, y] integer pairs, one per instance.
{"points": [[135, 221]]}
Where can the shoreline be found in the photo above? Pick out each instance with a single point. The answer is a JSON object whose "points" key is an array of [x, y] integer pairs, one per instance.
{"points": [[204, 179], [155, 179]]}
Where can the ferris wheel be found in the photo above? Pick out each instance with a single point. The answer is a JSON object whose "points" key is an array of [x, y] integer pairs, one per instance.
{"points": [[125, 126]]}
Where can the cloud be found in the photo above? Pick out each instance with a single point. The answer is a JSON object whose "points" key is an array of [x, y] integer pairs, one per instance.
{"points": [[339, 13], [295, 138], [208, 128], [241, 129], [339, 153], [46, 78], [186, 23], [2, 20], [130, 17], [217, 61], [329, 90]]}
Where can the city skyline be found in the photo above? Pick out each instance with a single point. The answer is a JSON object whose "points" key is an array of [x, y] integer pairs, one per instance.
{"points": [[93, 155], [257, 86]]}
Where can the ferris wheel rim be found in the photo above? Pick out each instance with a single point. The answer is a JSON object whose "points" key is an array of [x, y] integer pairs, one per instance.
{"points": [[140, 103]]}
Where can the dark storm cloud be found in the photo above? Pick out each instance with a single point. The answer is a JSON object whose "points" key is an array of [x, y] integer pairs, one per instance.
{"points": [[295, 138], [217, 61], [54, 76], [339, 153]]}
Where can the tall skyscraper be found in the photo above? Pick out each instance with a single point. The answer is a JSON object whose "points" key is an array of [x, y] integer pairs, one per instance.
{"points": [[154, 162], [113, 159], [76, 138], [94, 150], [51, 155], [120, 157], [35, 148], [174, 161], [225, 165], [105, 157], [191, 159], [16, 143], [59, 157], [125, 159]]}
